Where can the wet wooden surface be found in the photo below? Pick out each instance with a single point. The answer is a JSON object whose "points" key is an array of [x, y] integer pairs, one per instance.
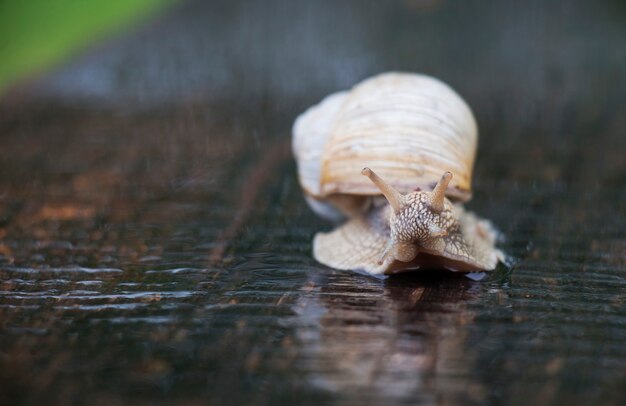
{"points": [[155, 246]]}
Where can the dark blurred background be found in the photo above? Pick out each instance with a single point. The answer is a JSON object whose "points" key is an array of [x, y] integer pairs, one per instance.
{"points": [[155, 246]]}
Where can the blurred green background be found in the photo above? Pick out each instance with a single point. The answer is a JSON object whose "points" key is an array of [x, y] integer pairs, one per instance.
{"points": [[35, 35]]}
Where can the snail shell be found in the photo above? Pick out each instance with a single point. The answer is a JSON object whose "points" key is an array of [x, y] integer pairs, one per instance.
{"points": [[410, 129]]}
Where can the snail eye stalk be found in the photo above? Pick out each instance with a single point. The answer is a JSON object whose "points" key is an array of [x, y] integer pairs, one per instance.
{"points": [[396, 199], [439, 193]]}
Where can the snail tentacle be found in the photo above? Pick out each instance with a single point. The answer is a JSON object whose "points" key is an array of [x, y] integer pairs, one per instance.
{"points": [[395, 198], [439, 192]]}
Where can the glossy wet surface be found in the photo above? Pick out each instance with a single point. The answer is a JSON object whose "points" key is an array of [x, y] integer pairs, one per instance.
{"points": [[155, 246]]}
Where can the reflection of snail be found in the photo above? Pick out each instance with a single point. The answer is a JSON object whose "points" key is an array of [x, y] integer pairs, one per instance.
{"points": [[382, 342], [411, 129]]}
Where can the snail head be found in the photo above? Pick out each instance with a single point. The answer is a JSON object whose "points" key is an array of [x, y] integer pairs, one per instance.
{"points": [[420, 219]]}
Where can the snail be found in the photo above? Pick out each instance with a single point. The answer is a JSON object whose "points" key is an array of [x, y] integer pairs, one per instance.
{"points": [[393, 159]]}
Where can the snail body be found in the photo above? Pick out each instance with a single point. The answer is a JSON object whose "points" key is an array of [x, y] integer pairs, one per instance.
{"points": [[403, 214]]}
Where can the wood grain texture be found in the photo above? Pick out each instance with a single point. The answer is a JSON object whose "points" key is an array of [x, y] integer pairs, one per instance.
{"points": [[124, 175]]}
